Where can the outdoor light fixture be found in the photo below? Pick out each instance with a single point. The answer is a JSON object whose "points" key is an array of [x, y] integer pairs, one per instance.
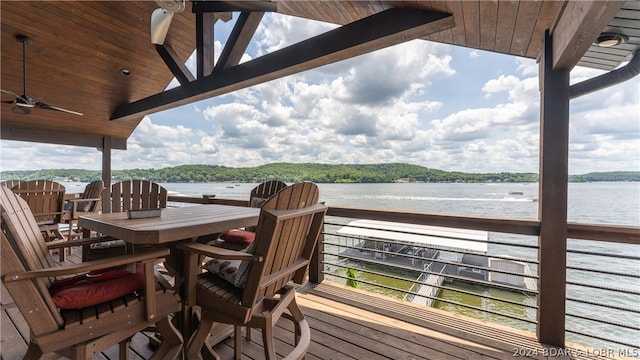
{"points": [[125, 72], [161, 18], [610, 39]]}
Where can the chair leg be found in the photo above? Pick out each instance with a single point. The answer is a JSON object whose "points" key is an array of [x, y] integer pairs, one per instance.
{"points": [[124, 349], [171, 346], [198, 338], [267, 340], [33, 352], [237, 342]]}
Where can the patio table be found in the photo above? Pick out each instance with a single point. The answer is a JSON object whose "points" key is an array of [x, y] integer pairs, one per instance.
{"points": [[172, 226]]}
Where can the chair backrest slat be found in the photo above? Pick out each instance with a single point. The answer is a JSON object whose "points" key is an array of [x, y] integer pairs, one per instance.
{"points": [[284, 241], [136, 195], [93, 190], [264, 191], [45, 199], [10, 183]]}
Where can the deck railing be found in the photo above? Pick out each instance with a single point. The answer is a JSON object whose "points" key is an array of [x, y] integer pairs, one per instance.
{"points": [[603, 272]]}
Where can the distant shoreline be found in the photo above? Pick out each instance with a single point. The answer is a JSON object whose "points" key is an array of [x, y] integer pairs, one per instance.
{"points": [[319, 173]]}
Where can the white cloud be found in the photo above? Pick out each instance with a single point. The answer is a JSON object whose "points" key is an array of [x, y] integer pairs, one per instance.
{"points": [[374, 108]]}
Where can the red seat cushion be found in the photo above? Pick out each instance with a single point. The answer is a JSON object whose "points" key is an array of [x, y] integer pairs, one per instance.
{"points": [[95, 288], [239, 236]]}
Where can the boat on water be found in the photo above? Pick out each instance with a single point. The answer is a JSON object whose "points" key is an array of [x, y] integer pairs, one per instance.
{"points": [[516, 193]]}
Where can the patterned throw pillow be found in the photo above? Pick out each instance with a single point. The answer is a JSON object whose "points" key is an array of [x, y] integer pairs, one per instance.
{"points": [[233, 271]]}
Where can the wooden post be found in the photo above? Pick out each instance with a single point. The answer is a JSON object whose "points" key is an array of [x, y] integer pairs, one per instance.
{"points": [[204, 44], [552, 207], [317, 261], [106, 174]]}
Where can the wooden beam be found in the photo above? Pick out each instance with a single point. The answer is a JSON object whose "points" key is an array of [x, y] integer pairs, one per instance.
{"points": [[175, 65], [230, 6], [384, 29], [578, 27], [204, 44], [552, 204], [49, 136], [239, 39]]}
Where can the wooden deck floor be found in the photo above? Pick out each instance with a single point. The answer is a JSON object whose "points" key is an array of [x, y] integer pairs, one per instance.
{"points": [[346, 324]]}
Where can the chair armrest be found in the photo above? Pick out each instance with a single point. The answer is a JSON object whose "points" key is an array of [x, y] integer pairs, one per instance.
{"points": [[287, 214], [60, 244], [73, 213], [89, 266], [217, 252]]}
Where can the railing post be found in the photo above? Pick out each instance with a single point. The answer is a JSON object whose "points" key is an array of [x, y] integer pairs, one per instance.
{"points": [[317, 260], [552, 206], [106, 174]]}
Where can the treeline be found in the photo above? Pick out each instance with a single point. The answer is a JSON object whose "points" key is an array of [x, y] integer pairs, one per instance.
{"points": [[319, 173]]}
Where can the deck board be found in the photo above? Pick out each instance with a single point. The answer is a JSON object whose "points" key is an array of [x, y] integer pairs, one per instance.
{"points": [[345, 323]]}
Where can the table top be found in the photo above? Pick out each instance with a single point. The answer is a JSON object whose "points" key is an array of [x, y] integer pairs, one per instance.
{"points": [[173, 224]]}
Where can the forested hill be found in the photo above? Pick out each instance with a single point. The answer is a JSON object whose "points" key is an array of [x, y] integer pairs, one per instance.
{"points": [[320, 173]]}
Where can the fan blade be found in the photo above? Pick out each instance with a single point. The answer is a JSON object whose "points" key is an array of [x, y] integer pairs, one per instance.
{"points": [[51, 107], [20, 100], [10, 93]]}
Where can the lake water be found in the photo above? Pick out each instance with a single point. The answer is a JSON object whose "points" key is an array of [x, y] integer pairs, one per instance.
{"points": [[602, 202], [607, 203]]}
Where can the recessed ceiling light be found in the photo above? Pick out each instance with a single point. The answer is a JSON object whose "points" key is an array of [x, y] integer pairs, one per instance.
{"points": [[609, 39]]}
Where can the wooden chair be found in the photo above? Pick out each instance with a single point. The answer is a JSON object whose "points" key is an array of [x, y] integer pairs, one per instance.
{"points": [[88, 203], [136, 195], [127, 195], [257, 197], [31, 276], [46, 201], [275, 265]]}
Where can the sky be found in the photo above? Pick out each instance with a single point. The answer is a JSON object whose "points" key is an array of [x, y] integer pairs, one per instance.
{"points": [[424, 103]]}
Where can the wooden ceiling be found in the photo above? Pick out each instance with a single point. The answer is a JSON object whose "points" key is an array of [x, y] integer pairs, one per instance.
{"points": [[80, 47]]}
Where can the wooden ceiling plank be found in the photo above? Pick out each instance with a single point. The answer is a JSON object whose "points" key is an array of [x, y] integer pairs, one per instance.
{"points": [[423, 5], [230, 6], [528, 13], [631, 5], [350, 12], [624, 23], [378, 31], [507, 12], [548, 13], [446, 36], [577, 29], [458, 33], [489, 24], [471, 12], [239, 39]]}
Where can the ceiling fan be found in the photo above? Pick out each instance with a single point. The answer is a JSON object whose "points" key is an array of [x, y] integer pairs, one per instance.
{"points": [[24, 103]]}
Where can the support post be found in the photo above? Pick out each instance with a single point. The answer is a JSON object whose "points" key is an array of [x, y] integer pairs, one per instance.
{"points": [[106, 174], [316, 265], [552, 206], [204, 44]]}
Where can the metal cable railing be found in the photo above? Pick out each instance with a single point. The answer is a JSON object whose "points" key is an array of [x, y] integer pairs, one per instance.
{"points": [[390, 253]]}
